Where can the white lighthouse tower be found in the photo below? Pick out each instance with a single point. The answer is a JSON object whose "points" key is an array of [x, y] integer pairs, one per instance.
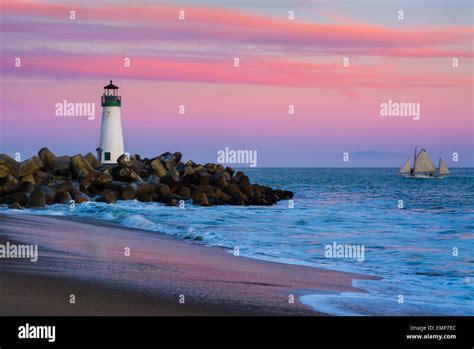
{"points": [[111, 139]]}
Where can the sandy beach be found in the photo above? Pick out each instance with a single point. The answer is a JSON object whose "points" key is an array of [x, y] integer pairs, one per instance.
{"points": [[87, 258]]}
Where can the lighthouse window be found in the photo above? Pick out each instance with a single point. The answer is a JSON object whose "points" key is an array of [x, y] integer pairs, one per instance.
{"points": [[107, 156]]}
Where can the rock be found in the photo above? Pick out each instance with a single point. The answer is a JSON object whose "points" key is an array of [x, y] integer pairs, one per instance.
{"points": [[118, 186], [48, 158], [16, 206], [63, 197], [171, 178], [227, 176], [8, 166], [170, 199], [109, 198], [219, 181], [163, 189], [178, 156], [244, 180], [211, 168], [81, 168], [143, 188], [129, 175], [92, 160], [154, 179], [229, 170], [124, 162], [158, 167], [202, 178], [234, 191], [200, 199], [168, 180], [190, 163], [30, 166], [172, 202], [129, 194], [137, 165], [63, 165], [166, 156], [27, 187], [102, 179], [28, 178], [219, 169], [185, 192], [9, 185], [145, 198], [171, 164], [80, 197], [247, 190], [223, 196], [20, 197], [189, 171], [41, 177], [36, 199]]}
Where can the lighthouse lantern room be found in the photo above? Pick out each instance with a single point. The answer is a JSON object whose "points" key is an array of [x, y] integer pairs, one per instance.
{"points": [[111, 139]]}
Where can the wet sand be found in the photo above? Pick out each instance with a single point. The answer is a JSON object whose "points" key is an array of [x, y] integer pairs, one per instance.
{"points": [[88, 258]]}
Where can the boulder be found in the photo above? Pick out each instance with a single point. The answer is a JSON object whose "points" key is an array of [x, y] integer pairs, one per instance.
{"points": [[109, 198], [48, 158], [163, 189], [63, 197], [8, 166], [178, 156], [79, 197], [63, 165], [36, 199], [92, 160], [41, 177], [129, 194], [185, 192], [158, 167], [16, 206], [20, 197], [200, 199], [28, 178], [202, 178], [27, 187], [30, 166], [9, 185]]}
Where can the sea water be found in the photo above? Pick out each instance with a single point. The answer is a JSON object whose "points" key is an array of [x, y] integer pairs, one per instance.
{"points": [[417, 235]]}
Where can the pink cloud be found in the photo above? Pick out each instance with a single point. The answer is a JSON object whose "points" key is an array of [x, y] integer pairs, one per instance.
{"points": [[160, 22], [251, 71]]}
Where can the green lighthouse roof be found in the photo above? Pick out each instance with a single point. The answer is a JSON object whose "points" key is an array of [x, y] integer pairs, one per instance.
{"points": [[111, 86]]}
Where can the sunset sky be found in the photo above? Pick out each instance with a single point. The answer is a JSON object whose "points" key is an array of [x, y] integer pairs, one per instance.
{"points": [[283, 62]]}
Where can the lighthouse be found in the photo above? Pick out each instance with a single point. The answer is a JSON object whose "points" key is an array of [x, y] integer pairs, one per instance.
{"points": [[111, 139]]}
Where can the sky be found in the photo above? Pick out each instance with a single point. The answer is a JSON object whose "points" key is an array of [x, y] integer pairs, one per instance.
{"points": [[335, 63]]}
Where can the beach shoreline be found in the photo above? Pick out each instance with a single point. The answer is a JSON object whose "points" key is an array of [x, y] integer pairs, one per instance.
{"points": [[88, 258]]}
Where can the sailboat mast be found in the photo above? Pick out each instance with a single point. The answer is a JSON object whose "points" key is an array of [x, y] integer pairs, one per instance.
{"points": [[414, 159]]}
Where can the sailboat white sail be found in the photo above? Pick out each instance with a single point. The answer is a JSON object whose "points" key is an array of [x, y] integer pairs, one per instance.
{"points": [[423, 163], [423, 167], [442, 168], [406, 168]]}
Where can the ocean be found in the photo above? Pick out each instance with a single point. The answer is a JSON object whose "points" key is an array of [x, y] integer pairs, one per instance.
{"points": [[422, 253]]}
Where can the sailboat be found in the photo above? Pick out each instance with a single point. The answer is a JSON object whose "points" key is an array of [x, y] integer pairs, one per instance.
{"points": [[423, 167]]}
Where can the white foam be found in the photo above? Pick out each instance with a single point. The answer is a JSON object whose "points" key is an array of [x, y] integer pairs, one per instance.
{"points": [[137, 221]]}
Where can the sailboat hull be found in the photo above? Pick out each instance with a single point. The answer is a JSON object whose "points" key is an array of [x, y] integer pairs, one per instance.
{"points": [[422, 176]]}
